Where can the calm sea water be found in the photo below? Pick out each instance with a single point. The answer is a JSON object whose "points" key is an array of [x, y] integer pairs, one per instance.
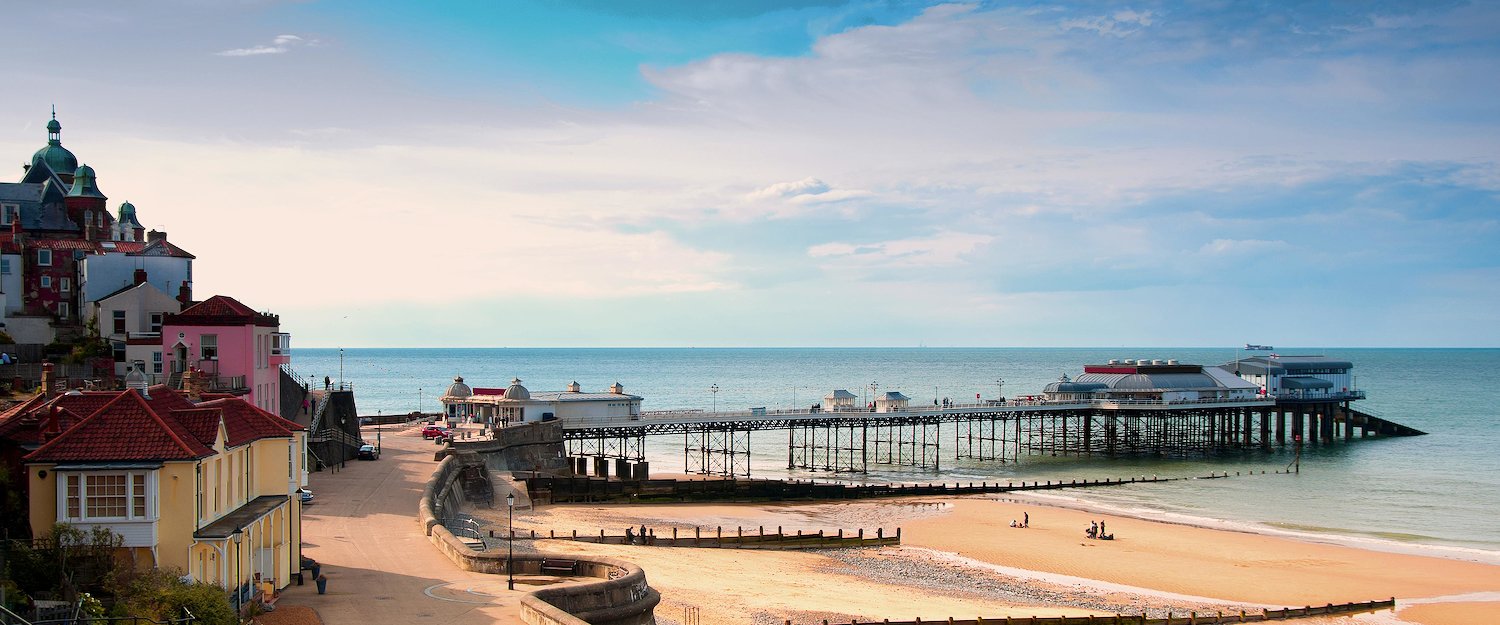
{"points": [[1440, 489]]}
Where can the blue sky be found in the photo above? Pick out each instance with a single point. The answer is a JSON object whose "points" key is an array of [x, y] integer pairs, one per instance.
{"points": [[590, 172]]}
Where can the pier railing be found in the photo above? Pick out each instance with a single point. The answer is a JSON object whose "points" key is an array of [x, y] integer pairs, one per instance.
{"points": [[950, 409]]}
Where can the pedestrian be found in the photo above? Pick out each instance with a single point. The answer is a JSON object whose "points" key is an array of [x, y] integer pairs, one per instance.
{"points": [[630, 536], [1101, 528], [1025, 519]]}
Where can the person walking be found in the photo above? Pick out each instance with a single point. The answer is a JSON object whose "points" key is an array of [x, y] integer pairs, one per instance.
{"points": [[1025, 519]]}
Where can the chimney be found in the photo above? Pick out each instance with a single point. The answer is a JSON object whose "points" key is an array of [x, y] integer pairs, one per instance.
{"points": [[156, 235], [140, 277], [190, 384], [185, 294], [49, 425], [47, 379]]}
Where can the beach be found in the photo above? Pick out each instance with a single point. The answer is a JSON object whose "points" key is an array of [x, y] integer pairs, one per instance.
{"points": [[960, 558]]}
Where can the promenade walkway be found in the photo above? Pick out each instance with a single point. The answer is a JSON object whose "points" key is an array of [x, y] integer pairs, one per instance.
{"points": [[362, 529]]}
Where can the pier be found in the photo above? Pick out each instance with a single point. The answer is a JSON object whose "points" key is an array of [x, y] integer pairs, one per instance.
{"points": [[1129, 407], [719, 444]]}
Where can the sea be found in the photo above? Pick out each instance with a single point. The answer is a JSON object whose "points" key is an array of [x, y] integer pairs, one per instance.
{"points": [[1437, 493]]}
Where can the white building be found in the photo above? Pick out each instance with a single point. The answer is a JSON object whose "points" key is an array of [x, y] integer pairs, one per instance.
{"points": [[115, 265], [1298, 377], [892, 401], [131, 319], [840, 400], [516, 404], [1151, 380]]}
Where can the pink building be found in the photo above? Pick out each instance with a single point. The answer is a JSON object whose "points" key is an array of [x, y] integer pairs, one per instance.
{"points": [[230, 346]]}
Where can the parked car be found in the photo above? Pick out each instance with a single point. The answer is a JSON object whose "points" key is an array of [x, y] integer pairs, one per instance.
{"points": [[305, 494], [369, 452], [434, 431]]}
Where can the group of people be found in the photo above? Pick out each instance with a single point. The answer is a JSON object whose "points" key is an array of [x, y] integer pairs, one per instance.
{"points": [[1024, 522], [1096, 531], [645, 537]]}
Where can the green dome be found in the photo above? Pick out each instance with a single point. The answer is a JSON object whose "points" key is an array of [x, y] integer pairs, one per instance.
{"points": [[58, 158], [83, 184], [127, 208]]}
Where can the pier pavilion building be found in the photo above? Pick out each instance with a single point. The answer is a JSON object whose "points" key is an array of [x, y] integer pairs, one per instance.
{"points": [[1152, 380], [1299, 377], [456, 405], [517, 404], [840, 400]]}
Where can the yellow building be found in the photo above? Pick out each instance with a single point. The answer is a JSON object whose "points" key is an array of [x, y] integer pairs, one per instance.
{"points": [[210, 488]]}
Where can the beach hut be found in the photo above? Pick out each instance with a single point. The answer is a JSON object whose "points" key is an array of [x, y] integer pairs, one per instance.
{"points": [[892, 401], [839, 400]]}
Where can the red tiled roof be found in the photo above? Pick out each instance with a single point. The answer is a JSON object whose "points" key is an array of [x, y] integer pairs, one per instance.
{"points": [[23, 424], [202, 423], [62, 244], [220, 310], [489, 391], [125, 429], [244, 422]]}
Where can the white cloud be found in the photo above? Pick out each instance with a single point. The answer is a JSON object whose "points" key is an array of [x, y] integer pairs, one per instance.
{"points": [[1240, 247], [1118, 24], [281, 44], [939, 250]]}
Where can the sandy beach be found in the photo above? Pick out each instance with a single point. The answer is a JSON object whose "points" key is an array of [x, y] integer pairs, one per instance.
{"points": [[961, 558]]}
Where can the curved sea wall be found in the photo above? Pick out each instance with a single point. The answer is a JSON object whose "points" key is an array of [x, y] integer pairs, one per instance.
{"points": [[620, 596]]}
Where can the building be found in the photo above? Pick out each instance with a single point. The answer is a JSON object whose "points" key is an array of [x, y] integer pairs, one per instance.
{"points": [[455, 401], [61, 249], [209, 488], [1307, 378], [132, 318], [516, 404], [892, 401], [1151, 381], [840, 400], [230, 346]]}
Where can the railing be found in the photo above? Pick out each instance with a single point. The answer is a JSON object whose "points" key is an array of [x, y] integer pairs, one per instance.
{"points": [[1191, 618]]}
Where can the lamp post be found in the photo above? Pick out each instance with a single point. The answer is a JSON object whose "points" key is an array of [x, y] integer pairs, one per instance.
{"points": [[715, 390], [510, 543], [1000, 387], [873, 386], [239, 535]]}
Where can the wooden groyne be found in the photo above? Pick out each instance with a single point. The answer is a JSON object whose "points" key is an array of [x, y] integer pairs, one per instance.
{"points": [[586, 489], [1191, 618], [738, 538]]}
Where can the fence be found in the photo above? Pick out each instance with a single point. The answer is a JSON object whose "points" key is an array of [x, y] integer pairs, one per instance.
{"points": [[757, 539], [1192, 618]]}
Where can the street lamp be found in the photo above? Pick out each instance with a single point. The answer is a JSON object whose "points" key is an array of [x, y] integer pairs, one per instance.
{"points": [[238, 535], [715, 390], [510, 557], [873, 386], [1000, 387]]}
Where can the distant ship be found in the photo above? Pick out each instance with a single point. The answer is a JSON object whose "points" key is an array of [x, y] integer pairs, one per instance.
{"points": [[1258, 348]]}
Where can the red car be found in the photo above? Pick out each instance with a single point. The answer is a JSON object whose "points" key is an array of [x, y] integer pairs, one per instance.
{"points": [[434, 431]]}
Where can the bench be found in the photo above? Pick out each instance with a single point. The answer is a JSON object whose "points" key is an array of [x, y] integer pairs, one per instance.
{"points": [[564, 567]]}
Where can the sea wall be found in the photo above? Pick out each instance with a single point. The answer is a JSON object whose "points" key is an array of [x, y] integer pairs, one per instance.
{"points": [[620, 596]]}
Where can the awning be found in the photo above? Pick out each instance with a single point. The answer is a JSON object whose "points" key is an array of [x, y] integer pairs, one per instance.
{"points": [[1305, 383], [241, 517]]}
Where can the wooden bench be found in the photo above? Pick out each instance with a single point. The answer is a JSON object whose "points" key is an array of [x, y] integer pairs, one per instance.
{"points": [[563, 567]]}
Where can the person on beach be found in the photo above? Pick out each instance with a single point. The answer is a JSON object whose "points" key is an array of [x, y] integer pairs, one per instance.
{"points": [[1025, 519], [630, 536], [1101, 529]]}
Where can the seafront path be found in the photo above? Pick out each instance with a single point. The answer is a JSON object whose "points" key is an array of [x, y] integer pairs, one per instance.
{"points": [[362, 528]]}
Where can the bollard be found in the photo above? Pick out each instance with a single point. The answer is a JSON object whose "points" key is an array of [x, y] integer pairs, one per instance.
{"points": [[552, 533], [322, 582], [575, 534], [674, 535], [762, 530]]}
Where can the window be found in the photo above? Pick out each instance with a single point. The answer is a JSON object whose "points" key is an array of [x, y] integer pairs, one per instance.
{"points": [[46, 282], [100, 496], [208, 345], [119, 352], [155, 362], [9, 213], [65, 284], [62, 309], [44, 258], [5, 266], [119, 316], [156, 322], [281, 344]]}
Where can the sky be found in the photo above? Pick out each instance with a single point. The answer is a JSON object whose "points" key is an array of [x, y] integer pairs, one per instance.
{"points": [[796, 172]]}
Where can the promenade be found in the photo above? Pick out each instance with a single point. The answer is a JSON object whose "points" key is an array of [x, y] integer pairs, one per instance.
{"points": [[362, 529]]}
